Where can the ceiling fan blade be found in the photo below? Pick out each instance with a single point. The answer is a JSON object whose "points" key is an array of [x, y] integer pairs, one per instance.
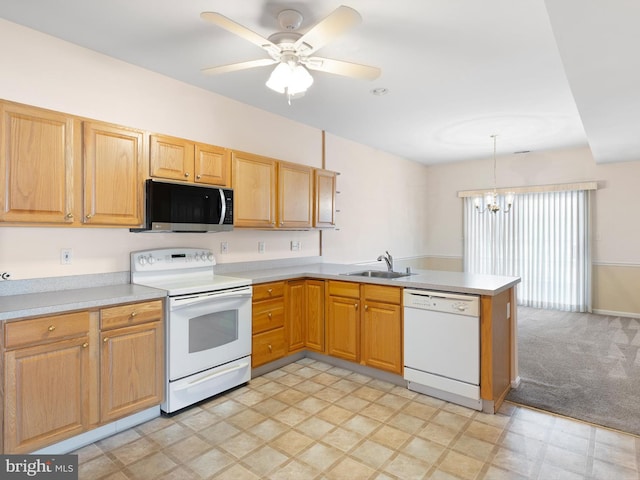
{"points": [[336, 23], [237, 29], [339, 67], [263, 62]]}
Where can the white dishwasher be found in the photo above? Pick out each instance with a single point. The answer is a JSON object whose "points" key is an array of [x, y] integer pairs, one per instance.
{"points": [[442, 345]]}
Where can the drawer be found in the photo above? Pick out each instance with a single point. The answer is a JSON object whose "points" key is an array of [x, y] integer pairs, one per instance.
{"points": [[131, 314], [268, 346], [46, 329], [265, 291], [344, 289], [379, 293], [267, 315]]}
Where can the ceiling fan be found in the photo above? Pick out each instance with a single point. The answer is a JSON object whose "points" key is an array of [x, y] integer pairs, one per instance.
{"points": [[293, 51]]}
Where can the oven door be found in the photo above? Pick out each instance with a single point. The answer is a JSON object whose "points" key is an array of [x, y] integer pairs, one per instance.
{"points": [[206, 330]]}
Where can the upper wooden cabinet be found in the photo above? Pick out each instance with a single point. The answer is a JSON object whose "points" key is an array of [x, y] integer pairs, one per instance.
{"points": [[254, 190], [324, 211], [59, 169], [271, 194], [179, 159], [37, 165], [295, 189], [113, 173]]}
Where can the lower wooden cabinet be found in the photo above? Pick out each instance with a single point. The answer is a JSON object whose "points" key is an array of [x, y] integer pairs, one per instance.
{"points": [[47, 392], [63, 376], [305, 315], [364, 324], [131, 363], [268, 333]]}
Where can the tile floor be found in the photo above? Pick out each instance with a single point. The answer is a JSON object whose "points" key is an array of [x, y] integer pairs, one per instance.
{"points": [[310, 420]]}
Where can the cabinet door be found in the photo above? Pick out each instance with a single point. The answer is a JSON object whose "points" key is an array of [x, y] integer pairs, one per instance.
{"points": [[296, 314], [254, 188], [324, 199], [46, 394], [212, 165], [171, 158], [382, 336], [343, 333], [295, 189], [314, 338], [36, 165], [113, 175], [131, 370]]}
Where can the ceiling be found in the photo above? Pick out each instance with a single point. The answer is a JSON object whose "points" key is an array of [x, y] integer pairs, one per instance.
{"points": [[539, 75]]}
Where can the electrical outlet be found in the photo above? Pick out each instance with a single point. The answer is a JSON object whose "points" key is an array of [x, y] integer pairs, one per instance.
{"points": [[260, 247], [66, 256], [224, 248], [295, 246]]}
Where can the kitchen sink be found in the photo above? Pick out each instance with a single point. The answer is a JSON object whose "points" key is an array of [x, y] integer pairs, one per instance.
{"points": [[378, 274]]}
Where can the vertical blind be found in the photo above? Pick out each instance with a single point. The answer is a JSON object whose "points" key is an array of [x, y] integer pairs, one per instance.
{"points": [[544, 239]]}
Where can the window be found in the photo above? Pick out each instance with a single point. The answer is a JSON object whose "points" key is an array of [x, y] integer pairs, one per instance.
{"points": [[544, 239]]}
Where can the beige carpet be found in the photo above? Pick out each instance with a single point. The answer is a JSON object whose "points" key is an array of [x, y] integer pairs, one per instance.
{"points": [[584, 366]]}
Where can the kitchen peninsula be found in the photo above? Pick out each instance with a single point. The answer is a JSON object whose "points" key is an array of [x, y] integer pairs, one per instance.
{"points": [[308, 293]]}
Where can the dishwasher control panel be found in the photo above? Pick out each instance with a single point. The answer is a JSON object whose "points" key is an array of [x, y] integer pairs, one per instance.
{"points": [[442, 302]]}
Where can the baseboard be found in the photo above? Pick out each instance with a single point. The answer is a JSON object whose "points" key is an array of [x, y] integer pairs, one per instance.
{"points": [[516, 383], [613, 313]]}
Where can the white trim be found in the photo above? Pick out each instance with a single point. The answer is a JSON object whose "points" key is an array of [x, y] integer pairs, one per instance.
{"points": [[615, 264], [560, 187], [614, 313], [104, 431]]}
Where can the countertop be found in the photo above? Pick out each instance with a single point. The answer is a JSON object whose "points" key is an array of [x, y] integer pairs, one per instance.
{"points": [[51, 302], [45, 303], [458, 282]]}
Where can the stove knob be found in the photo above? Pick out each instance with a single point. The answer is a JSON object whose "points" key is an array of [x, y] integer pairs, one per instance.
{"points": [[142, 260], [210, 257], [151, 260]]}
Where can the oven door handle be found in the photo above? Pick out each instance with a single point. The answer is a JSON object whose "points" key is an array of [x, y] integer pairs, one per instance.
{"points": [[177, 301], [213, 375]]}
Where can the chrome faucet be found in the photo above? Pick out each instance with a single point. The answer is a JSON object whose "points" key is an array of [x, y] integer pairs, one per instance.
{"points": [[387, 258]]}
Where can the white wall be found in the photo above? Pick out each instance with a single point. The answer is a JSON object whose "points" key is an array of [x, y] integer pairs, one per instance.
{"points": [[43, 71], [616, 227], [382, 203]]}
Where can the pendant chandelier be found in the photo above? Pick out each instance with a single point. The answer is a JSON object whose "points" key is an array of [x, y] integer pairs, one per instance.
{"points": [[489, 201]]}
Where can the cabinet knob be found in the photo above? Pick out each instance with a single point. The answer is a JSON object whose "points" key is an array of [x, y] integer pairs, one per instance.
{"points": [[355, 305], [85, 345], [270, 291], [134, 314], [88, 217], [69, 216], [269, 315], [270, 349], [105, 339], [198, 177], [366, 307], [51, 328], [186, 174]]}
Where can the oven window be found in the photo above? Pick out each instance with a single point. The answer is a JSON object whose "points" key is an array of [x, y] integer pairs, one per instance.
{"points": [[213, 330]]}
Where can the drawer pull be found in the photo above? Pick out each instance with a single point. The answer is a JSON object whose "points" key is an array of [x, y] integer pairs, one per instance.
{"points": [[269, 315], [133, 314], [51, 328], [270, 349], [270, 291], [85, 345]]}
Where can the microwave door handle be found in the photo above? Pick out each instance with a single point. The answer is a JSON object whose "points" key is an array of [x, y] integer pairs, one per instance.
{"points": [[223, 206]]}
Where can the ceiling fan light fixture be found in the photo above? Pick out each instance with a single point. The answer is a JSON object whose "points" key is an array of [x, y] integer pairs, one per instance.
{"points": [[289, 79]]}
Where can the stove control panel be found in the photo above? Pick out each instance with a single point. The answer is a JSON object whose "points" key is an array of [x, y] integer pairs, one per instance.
{"points": [[171, 259]]}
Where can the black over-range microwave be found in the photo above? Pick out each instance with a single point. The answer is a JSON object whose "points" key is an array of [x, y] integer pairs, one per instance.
{"points": [[175, 207]]}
